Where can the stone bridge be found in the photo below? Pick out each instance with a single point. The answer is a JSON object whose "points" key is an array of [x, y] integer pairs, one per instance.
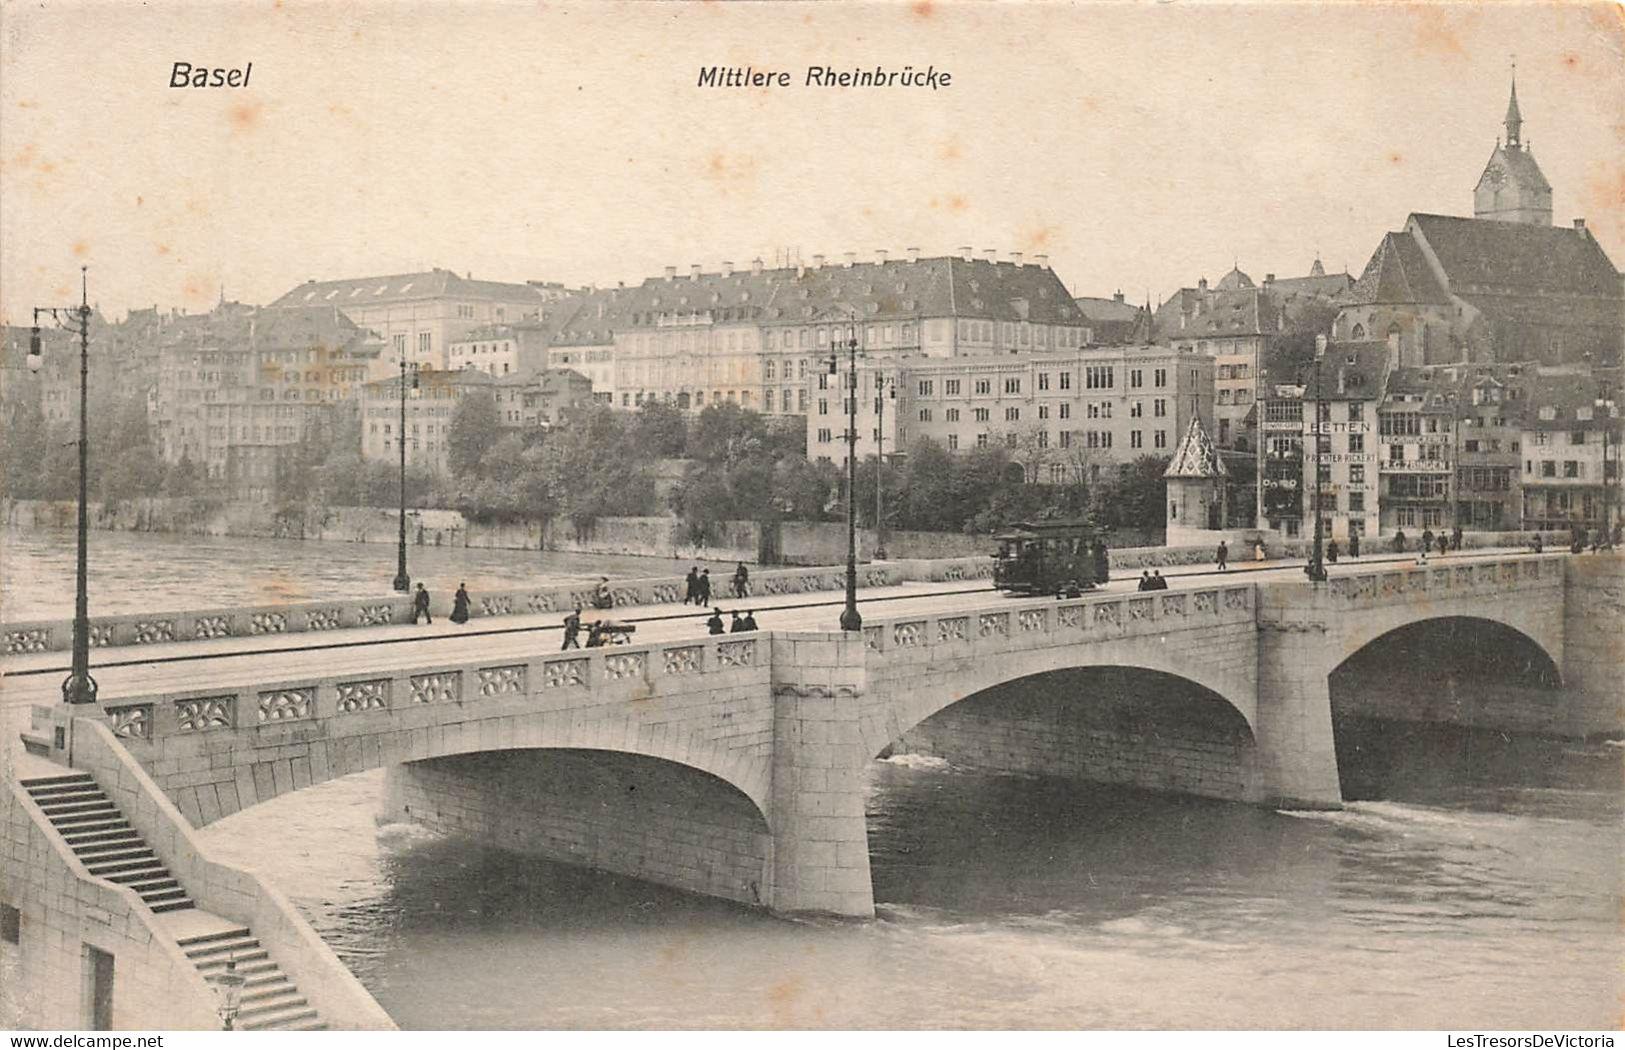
{"points": [[734, 765]]}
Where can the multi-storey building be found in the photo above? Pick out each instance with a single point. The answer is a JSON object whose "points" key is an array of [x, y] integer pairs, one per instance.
{"points": [[419, 314], [1417, 433], [519, 348], [1489, 440], [1339, 413], [256, 378], [431, 398], [756, 336], [1280, 504], [1060, 413], [1571, 474]]}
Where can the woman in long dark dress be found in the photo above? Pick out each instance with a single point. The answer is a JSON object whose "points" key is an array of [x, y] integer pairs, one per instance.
{"points": [[459, 605]]}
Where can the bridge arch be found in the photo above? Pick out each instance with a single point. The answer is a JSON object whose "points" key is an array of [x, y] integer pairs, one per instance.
{"points": [[911, 699], [1534, 639], [1112, 722]]}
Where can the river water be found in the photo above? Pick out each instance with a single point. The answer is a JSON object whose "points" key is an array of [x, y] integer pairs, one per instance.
{"points": [[154, 572], [1476, 884], [1007, 902]]}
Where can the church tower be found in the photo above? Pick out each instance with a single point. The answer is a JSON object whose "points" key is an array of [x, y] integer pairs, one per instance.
{"points": [[1512, 189]]}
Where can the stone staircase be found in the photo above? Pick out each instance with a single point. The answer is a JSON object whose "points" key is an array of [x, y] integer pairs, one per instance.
{"points": [[270, 1000], [104, 841], [111, 849]]}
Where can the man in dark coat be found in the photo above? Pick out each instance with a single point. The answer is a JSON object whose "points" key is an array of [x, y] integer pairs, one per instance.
{"points": [[737, 625], [420, 605], [1157, 582], [1223, 555], [572, 631], [691, 585], [703, 595], [750, 621], [714, 624], [1354, 545], [741, 581]]}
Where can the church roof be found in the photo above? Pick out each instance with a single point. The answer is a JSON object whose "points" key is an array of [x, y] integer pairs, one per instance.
{"points": [[1234, 280], [1398, 273], [1196, 456], [1512, 258]]}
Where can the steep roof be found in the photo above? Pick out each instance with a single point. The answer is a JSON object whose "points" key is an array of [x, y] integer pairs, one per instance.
{"points": [[1567, 393], [1517, 258], [405, 287], [1234, 281], [1349, 371], [1235, 313], [1398, 273], [1196, 456], [1096, 309]]}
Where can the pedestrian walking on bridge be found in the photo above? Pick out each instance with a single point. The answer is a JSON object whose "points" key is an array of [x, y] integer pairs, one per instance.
{"points": [[1223, 555], [420, 605], [1354, 545], [459, 604], [691, 585], [714, 624], [741, 581], [572, 631]]}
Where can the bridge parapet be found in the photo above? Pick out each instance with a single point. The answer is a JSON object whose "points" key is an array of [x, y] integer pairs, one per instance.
{"points": [[215, 750], [151, 628], [1040, 623], [1411, 585]]}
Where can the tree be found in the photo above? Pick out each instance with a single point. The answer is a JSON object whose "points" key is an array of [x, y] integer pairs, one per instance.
{"points": [[476, 426], [724, 433], [1132, 495], [26, 437], [660, 431]]}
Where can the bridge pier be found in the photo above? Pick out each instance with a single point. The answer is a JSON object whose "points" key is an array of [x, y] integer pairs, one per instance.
{"points": [[1296, 751], [820, 833]]}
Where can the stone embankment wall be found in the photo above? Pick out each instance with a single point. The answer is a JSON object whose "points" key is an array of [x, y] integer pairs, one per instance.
{"points": [[1594, 640], [65, 911], [612, 811]]}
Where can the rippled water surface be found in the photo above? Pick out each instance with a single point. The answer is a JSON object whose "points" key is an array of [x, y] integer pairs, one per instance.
{"points": [[1017, 903], [150, 572]]}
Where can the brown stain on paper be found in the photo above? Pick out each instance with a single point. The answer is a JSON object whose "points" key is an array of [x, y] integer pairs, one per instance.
{"points": [[245, 116]]}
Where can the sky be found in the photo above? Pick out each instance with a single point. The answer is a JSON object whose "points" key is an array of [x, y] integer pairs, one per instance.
{"points": [[1139, 146]]}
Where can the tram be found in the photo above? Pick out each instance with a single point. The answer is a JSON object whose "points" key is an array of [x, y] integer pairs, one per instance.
{"points": [[1060, 557]]}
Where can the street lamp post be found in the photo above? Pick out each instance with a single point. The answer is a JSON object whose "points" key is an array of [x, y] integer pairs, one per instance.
{"points": [[229, 987], [403, 582], [1605, 409], [78, 687], [850, 620], [883, 388], [1316, 569]]}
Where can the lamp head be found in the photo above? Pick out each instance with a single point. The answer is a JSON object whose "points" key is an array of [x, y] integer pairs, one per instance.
{"points": [[33, 349]]}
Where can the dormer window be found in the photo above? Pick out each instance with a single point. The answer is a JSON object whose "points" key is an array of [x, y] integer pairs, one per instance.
{"points": [[1548, 412]]}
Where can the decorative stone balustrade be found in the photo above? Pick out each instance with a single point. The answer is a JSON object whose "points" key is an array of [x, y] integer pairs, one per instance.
{"points": [[254, 621], [287, 705]]}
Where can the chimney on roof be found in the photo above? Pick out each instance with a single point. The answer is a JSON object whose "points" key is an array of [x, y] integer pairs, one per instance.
{"points": [[967, 252], [694, 271], [727, 268], [851, 257], [818, 262], [880, 256], [1342, 380], [1015, 257], [1201, 285], [913, 254], [1580, 224], [671, 271], [756, 265], [1041, 261], [620, 284], [1269, 279], [1117, 296], [1320, 346], [991, 253]]}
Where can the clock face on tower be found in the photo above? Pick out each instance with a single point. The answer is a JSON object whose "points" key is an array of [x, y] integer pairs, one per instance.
{"points": [[1495, 175]]}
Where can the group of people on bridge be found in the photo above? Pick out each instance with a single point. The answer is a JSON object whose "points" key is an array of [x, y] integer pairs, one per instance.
{"points": [[697, 585]]}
